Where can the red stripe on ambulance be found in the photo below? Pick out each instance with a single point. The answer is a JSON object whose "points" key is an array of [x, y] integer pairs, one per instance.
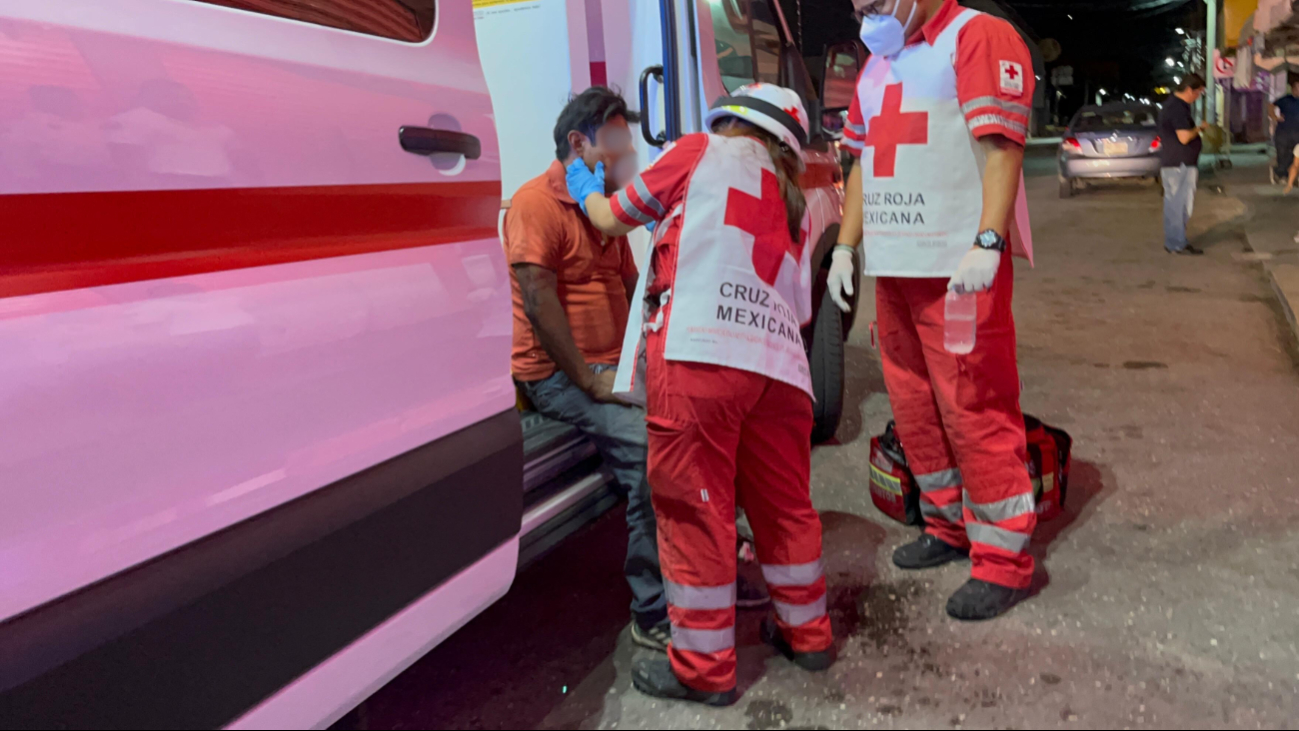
{"points": [[72, 240]]}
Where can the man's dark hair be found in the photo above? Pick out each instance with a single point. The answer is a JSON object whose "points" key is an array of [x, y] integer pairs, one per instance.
{"points": [[1191, 81], [588, 112]]}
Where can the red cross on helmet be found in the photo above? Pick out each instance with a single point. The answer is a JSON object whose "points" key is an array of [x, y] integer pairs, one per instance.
{"points": [[773, 108]]}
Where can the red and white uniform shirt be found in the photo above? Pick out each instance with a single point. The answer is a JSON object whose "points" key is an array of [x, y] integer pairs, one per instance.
{"points": [[915, 123], [739, 288]]}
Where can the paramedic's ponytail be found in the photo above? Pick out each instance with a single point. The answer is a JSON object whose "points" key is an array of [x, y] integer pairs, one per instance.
{"points": [[788, 166]]}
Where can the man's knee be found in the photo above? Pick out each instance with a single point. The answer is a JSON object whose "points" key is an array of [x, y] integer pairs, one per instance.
{"points": [[624, 425]]}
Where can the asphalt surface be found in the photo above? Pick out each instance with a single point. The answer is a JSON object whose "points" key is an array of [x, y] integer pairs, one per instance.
{"points": [[1169, 590]]}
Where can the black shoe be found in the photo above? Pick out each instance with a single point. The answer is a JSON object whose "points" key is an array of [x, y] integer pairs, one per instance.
{"points": [[1188, 251], [979, 600], [749, 595], [655, 638], [927, 552], [653, 676], [813, 662]]}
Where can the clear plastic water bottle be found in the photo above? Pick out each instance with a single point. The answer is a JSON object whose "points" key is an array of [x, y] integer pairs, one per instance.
{"points": [[960, 312]]}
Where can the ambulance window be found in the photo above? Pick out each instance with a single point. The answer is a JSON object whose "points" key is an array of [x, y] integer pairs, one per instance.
{"points": [[402, 20], [734, 42], [766, 41]]}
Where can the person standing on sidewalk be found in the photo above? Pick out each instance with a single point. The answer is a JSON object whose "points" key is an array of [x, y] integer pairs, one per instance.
{"points": [[1179, 161], [1285, 112]]}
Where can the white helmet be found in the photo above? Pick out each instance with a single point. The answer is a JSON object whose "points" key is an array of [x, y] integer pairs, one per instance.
{"points": [[773, 108]]}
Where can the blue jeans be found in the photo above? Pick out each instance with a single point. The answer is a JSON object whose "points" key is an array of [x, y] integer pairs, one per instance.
{"points": [[618, 432], [1179, 202]]}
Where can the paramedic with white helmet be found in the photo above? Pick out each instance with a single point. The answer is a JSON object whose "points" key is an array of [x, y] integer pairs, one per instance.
{"points": [[938, 124], [719, 359]]}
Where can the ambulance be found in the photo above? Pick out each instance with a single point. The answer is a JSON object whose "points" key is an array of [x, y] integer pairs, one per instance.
{"points": [[260, 448]]}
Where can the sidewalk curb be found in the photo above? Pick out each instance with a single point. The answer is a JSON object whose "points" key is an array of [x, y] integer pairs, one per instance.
{"points": [[1283, 277], [1286, 273]]}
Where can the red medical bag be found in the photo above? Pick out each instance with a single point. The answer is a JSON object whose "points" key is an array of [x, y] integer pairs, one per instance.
{"points": [[1049, 460], [894, 491]]}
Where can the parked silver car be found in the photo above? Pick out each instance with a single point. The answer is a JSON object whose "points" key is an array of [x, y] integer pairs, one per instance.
{"points": [[1119, 140]]}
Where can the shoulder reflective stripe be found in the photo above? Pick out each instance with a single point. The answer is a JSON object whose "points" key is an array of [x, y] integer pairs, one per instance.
{"points": [[991, 535], [703, 640], [953, 513], [998, 120], [941, 480], [629, 209], [797, 615], [855, 144], [1002, 510], [992, 101], [700, 597], [858, 129], [642, 190], [794, 575]]}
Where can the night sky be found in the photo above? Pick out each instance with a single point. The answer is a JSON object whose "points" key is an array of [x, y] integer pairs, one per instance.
{"points": [[1119, 45]]}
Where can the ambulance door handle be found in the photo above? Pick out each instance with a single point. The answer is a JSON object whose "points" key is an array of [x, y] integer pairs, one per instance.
{"points": [[662, 137], [427, 141]]}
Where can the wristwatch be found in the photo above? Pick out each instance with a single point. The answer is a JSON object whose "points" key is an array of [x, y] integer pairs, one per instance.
{"points": [[990, 240]]}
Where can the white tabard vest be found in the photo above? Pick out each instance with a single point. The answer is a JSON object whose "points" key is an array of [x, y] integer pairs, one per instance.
{"points": [[740, 292], [922, 170]]}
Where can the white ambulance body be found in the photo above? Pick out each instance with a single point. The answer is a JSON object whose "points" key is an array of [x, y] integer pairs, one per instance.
{"points": [[259, 444]]}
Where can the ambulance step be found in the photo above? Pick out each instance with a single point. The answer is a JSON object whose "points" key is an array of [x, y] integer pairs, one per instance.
{"points": [[550, 449], [563, 513]]}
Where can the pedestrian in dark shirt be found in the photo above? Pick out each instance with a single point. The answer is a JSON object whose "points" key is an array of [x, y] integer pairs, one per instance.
{"points": [[1285, 112], [1179, 159]]}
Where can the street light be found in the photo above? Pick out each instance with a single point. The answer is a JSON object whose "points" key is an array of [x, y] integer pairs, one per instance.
{"points": [[1181, 32], [1177, 79], [1171, 63]]}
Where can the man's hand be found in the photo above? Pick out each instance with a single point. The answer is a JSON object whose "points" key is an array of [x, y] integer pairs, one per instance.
{"points": [[1204, 126], [840, 279], [601, 388], [977, 270]]}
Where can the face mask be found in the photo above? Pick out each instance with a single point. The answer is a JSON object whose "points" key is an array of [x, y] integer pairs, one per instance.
{"points": [[885, 34]]}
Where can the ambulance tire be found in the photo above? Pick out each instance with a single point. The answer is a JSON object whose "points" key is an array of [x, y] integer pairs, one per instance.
{"points": [[827, 361]]}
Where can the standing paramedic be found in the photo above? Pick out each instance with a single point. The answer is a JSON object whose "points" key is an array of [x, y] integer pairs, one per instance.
{"points": [[938, 125], [718, 356]]}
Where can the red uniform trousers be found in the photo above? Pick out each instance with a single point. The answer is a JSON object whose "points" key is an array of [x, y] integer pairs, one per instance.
{"points": [[719, 435], [959, 420]]}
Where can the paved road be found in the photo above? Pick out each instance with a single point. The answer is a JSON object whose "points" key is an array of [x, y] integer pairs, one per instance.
{"points": [[1171, 591]]}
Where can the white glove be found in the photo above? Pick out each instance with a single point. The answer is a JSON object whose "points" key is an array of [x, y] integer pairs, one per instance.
{"points": [[839, 282], [977, 270]]}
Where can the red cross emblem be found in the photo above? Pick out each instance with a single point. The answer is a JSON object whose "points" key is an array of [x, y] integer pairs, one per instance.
{"points": [[764, 218], [1012, 72], [893, 127]]}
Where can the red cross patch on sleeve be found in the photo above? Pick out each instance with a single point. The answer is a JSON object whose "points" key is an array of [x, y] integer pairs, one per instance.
{"points": [[1012, 77]]}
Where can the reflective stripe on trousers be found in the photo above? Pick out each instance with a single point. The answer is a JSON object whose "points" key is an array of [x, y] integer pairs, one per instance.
{"points": [[797, 592]]}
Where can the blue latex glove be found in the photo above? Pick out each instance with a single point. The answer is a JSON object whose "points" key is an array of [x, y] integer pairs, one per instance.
{"points": [[582, 182]]}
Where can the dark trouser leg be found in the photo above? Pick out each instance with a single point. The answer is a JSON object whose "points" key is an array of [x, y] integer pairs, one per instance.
{"points": [[618, 432]]}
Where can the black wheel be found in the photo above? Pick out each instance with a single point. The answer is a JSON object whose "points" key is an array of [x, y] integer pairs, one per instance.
{"points": [[1066, 188], [826, 357]]}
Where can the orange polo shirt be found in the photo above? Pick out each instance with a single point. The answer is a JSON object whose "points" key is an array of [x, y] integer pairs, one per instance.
{"points": [[545, 227]]}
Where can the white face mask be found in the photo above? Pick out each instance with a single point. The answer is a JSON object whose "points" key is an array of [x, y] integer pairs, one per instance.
{"points": [[885, 34]]}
